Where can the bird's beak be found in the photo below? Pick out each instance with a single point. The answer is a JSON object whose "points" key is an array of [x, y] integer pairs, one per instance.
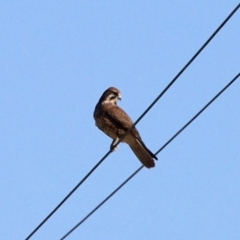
{"points": [[119, 97]]}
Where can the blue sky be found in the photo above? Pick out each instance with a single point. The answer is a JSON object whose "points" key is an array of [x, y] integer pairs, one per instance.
{"points": [[57, 58]]}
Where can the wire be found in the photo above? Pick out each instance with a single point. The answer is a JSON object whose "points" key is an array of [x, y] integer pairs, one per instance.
{"points": [[192, 119], [144, 113], [182, 70], [99, 205], [138, 170]]}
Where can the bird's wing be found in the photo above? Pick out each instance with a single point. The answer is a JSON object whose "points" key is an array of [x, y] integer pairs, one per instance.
{"points": [[119, 117], [121, 120]]}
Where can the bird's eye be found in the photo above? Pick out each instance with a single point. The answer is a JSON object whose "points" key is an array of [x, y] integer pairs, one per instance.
{"points": [[113, 97]]}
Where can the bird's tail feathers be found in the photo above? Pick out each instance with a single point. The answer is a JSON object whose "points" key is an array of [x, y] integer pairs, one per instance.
{"points": [[143, 153]]}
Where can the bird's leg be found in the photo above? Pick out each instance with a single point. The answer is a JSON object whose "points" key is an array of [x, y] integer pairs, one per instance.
{"points": [[113, 146]]}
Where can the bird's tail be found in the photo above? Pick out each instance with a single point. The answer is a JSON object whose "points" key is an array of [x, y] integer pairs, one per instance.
{"points": [[143, 153]]}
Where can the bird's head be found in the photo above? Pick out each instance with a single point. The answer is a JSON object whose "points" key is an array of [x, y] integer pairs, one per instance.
{"points": [[111, 95]]}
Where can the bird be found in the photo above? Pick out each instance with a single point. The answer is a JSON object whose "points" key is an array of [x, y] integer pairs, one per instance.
{"points": [[115, 122]]}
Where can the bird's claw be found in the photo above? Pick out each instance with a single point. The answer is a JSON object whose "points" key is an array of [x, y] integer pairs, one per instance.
{"points": [[114, 146]]}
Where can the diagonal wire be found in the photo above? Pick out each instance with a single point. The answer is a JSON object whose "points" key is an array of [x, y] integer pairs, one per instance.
{"points": [[99, 205], [140, 168], [182, 70], [144, 113]]}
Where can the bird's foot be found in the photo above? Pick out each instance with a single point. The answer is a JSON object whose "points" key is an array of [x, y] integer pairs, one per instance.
{"points": [[113, 146]]}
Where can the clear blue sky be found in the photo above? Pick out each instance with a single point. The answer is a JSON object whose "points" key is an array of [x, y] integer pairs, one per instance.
{"points": [[57, 57]]}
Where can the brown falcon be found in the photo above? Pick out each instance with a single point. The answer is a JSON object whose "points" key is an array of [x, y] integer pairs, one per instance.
{"points": [[113, 121]]}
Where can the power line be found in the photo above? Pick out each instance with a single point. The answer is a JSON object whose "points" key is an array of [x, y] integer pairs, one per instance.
{"points": [[99, 205], [183, 69], [144, 113], [140, 168]]}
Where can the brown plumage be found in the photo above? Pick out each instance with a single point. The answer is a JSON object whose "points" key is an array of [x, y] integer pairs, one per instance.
{"points": [[113, 121]]}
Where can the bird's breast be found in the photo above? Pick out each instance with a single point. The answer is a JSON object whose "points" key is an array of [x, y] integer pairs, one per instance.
{"points": [[104, 124]]}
